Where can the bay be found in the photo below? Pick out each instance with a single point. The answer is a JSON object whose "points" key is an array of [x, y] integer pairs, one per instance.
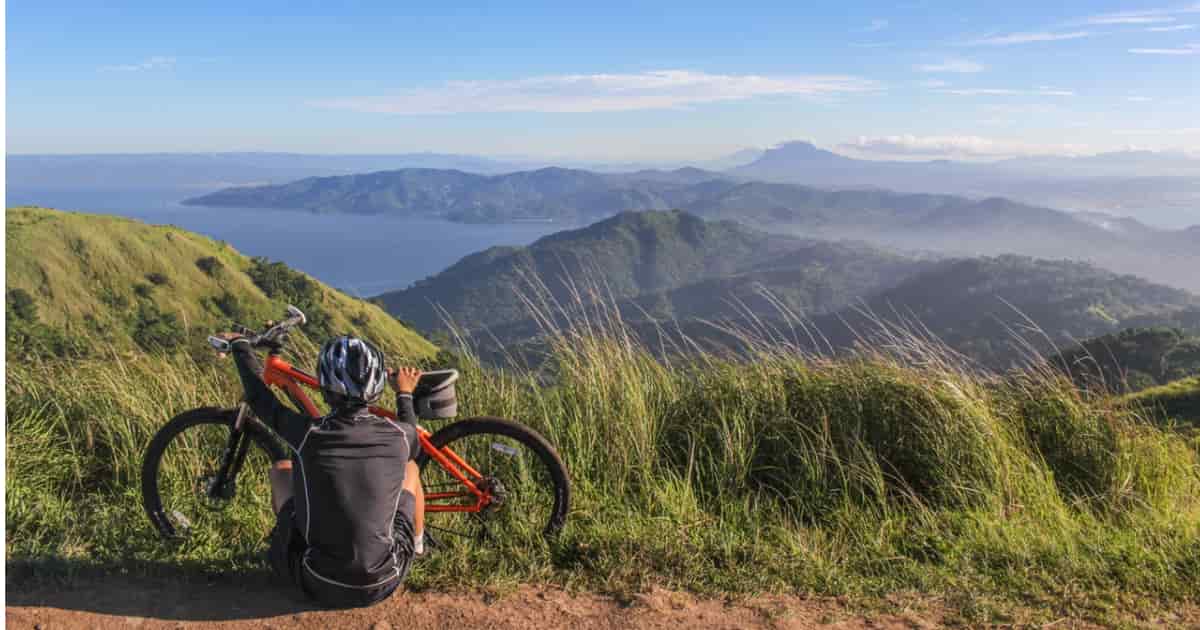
{"points": [[363, 255]]}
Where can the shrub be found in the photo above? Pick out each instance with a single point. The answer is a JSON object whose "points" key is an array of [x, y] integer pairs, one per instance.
{"points": [[20, 305], [154, 330], [210, 265], [143, 290], [158, 279], [230, 306], [280, 282], [113, 299]]}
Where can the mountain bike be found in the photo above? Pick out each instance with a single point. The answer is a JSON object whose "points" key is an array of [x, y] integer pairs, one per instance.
{"points": [[485, 478]]}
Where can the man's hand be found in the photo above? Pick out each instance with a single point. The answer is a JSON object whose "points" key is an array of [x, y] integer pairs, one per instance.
{"points": [[404, 380], [227, 336]]}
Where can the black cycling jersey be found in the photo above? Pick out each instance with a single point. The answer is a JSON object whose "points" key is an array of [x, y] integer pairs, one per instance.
{"points": [[348, 468]]}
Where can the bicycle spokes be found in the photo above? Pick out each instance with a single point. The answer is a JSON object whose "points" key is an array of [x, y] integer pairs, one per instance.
{"points": [[210, 480]]}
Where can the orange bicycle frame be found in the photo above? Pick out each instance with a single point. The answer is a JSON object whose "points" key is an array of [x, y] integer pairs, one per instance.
{"points": [[281, 374]]}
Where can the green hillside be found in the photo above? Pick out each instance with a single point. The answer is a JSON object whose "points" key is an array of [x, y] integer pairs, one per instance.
{"points": [[125, 284], [631, 254], [1134, 359], [979, 305]]}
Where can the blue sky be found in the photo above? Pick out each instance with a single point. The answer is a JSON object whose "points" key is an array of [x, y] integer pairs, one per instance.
{"points": [[679, 80]]}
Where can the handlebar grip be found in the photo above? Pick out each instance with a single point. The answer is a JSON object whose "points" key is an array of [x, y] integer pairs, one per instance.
{"points": [[296, 314], [219, 344]]}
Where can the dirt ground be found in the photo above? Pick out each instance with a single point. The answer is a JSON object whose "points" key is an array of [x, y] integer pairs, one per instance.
{"points": [[128, 603], [119, 602]]}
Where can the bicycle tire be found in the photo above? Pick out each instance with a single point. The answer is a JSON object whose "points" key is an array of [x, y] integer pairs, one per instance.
{"points": [[527, 437], [152, 500]]}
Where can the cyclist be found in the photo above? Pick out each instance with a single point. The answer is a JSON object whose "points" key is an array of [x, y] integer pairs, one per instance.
{"points": [[351, 518]]}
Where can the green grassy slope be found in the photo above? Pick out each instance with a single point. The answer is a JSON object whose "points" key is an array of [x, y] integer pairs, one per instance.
{"points": [[1014, 500], [1178, 400], [127, 284]]}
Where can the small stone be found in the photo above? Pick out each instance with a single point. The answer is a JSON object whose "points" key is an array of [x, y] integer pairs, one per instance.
{"points": [[381, 625]]}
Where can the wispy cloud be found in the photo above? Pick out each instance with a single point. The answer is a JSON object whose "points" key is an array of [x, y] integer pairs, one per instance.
{"points": [[1007, 92], [1168, 29], [875, 26], [1138, 99], [1128, 18], [951, 65], [1027, 38], [932, 83], [1190, 49], [952, 146], [662, 89], [150, 63], [1141, 16]]}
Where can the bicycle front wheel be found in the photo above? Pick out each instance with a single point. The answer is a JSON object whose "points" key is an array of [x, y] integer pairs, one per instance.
{"points": [[189, 484], [525, 476]]}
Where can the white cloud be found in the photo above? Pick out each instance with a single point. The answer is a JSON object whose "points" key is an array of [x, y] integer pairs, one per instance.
{"points": [[1138, 99], [1190, 49], [952, 146], [1007, 92], [661, 89], [1168, 29], [875, 26], [1026, 38], [951, 65], [1128, 18], [932, 83], [1143, 16], [151, 63]]}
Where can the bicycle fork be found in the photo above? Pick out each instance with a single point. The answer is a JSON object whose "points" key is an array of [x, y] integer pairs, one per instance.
{"points": [[223, 485]]}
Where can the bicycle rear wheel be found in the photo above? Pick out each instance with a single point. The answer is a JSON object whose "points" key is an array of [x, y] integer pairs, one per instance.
{"points": [[180, 471], [518, 466]]}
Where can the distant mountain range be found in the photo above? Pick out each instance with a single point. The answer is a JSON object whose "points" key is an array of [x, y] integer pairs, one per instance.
{"points": [[952, 224], [803, 162], [205, 172], [674, 268], [1159, 187], [202, 172]]}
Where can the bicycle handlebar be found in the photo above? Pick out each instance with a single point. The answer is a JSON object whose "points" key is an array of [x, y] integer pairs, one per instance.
{"points": [[269, 337]]}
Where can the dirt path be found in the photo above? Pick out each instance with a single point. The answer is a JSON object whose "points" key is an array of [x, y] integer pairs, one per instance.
{"points": [[122, 602], [126, 603]]}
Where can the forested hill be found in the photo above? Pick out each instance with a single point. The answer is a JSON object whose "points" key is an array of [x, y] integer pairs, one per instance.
{"points": [[78, 284], [671, 264], [978, 306], [557, 194], [1134, 359]]}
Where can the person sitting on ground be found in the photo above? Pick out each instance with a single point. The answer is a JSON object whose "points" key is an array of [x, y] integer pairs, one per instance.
{"points": [[349, 504]]}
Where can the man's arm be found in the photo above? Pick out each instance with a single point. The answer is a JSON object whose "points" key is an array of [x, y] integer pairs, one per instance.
{"points": [[404, 381], [282, 419]]}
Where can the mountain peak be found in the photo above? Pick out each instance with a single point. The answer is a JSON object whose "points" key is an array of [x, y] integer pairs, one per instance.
{"points": [[788, 156]]}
